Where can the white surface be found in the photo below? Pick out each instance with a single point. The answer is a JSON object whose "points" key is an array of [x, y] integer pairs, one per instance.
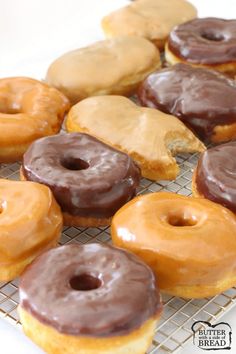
{"points": [[13, 341], [32, 34]]}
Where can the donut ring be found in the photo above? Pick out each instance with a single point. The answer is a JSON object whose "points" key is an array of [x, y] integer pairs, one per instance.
{"points": [[30, 222], [89, 179], [189, 243], [207, 42], [89, 308], [30, 104], [214, 177]]}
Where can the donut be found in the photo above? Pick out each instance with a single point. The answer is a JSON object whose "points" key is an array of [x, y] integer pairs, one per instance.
{"points": [[189, 243], [100, 300], [30, 222], [90, 71], [149, 136], [214, 177], [205, 42], [203, 99], [89, 179], [151, 19], [30, 104]]}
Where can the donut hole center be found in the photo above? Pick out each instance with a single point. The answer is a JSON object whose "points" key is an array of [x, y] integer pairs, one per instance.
{"points": [[182, 220], [74, 164], [214, 37], [85, 282]]}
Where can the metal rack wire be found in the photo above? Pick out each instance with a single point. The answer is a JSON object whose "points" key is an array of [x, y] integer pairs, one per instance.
{"points": [[174, 328]]}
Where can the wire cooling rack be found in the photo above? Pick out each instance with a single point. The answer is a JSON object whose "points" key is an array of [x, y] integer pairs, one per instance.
{"points": [[174, 328]]}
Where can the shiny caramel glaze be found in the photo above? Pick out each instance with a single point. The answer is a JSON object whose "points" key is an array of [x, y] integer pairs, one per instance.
{"points": [[189, 243], [152, 19], [114, 66], [30, 220], [194, 95], [114, 294], [216, 175], [149, 136], [204, 41], [30, 104], [87, 177]]}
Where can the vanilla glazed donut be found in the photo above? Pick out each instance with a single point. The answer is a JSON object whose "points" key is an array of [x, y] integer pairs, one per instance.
{"points": [[205, 42], [29, 109], [89, 299], [89, 179], [30, 222], [189, 243], [215, 175]]}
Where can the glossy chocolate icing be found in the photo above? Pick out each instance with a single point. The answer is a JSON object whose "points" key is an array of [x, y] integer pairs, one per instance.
{"points": [[205, 41], [216, 175], [125, 294], [201, 98], [87, 177]]}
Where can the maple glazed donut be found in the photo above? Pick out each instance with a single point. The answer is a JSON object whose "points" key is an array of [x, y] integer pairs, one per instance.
{"points": [[202, 99], [208, 42], [30, 222], [215, 174], [151, 19], [89, 179], [99, 300], [90, 71], [29, 109], [149, 136], [188, 242]]}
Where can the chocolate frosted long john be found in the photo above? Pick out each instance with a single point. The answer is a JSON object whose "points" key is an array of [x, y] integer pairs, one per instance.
{"points": [[201, 98]]}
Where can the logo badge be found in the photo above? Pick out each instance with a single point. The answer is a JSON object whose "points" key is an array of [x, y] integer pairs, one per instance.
{"points": [[212, 337]]}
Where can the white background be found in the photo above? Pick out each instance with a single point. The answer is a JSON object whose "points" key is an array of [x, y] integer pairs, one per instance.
{"points": [[32, 34]]}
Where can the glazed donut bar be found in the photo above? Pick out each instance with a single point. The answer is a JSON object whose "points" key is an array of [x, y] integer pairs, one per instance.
{"points": [[100, 300], [30, 223], [30, 104], [151, 19], [189, 243], [115, 66], [149, 136], [205, 42]]}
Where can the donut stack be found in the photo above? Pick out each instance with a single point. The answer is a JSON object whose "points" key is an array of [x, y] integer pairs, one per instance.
{"points": [[106, 299]]}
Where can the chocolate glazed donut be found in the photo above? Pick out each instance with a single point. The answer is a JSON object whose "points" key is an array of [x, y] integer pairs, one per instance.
{"points": [[88, 178], [93, 290], [203, 99], [215, 177], [208, 41]]}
